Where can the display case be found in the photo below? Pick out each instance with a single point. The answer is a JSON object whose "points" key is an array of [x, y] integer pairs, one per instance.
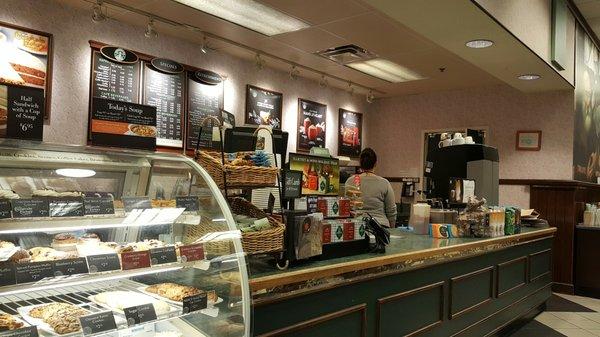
{"points": [[114, 243]]}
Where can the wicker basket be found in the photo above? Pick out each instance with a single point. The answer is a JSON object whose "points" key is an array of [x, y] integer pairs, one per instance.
{"points": [[207, 226], [265, 241], [237, 176]]}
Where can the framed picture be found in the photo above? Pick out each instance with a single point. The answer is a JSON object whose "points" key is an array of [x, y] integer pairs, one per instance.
{"points": [[28, 60], [311, 125], [529, 140], [263, 107], [349, 133]]}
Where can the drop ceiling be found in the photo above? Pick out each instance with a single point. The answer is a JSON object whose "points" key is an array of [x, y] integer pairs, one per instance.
{"points": [[426, 36]]}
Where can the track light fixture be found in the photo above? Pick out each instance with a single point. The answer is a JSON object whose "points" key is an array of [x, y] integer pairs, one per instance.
{"points": [[370, 97], [204, 48], [294, 73], [350, 88], [98, 15], [259, 62], [150, 30], [323, 81]]}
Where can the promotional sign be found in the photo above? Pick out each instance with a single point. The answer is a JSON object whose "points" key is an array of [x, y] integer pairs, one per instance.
{"points": [[263, 107], [21, 112], [311, 125], [292, 184], [164, 82], [28, 62], [203, 100], [320, 176], [350, 133], [123, 124]]}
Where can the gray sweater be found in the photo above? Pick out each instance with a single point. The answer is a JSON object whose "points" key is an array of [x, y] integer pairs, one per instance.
{"points": [[377, 196]]}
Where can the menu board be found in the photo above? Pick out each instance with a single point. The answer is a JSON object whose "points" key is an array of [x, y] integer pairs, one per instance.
{"points": [[350, 133], [114, 79], [263, 107], [203, 100], [165, 91], [311, 125]]}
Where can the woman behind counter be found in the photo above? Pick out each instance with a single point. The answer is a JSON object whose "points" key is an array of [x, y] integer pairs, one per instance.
{"points": [[376, 192]]}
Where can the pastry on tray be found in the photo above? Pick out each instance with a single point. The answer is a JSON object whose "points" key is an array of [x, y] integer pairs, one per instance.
{"points": [[173, 291], [6, 244], [119, 300], [8, 322], [42, 254], [8, 194], [63, 318], [157, 203], [89, 238], [20, 256]]}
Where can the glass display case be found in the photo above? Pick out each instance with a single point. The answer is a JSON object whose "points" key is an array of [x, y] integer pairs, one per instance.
{"points": [[116, 243]]}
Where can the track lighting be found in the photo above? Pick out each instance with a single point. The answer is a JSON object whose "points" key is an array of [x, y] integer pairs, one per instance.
{"points": [[150, 30], [350, 88], [97, 15], [370, 97], [294, 73], [259, 62], [323, 82], [204, 48]]}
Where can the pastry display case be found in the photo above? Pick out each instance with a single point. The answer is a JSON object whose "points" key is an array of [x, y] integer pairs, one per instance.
{"points": [[115, 243]]}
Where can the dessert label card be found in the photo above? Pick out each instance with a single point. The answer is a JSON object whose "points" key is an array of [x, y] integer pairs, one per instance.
{"points": [[96, 323], [195, 303], [163, 255], [191, 252], [311, 125], [135, 260], [70, 267], [30, 208], [103, 262], [5, 209], [7, 274], [63, 207], [131, 203], [98, 206], [140, 314], [33, 272], [25, 113], [189, 203], [30, 331]]}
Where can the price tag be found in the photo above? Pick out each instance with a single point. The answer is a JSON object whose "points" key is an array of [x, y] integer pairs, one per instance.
{"points": [[7, 274], [140, 314], [30, 331], [70, 267], [191, 252], [135, 260], [5, 208], [195, 303], [98, 206], [29, 208], [96, 323], [131, 203], [189, 203], [104, 262], [63, 207], [163, 255], [33, 272]]}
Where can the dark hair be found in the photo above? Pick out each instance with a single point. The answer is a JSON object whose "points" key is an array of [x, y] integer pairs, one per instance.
{"points": [[368, 159]]}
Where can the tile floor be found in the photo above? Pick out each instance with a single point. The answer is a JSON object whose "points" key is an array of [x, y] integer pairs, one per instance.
{"points": [[566, 315]]}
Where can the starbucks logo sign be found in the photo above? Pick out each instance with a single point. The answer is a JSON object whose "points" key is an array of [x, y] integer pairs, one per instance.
{"points": [[120, 54]]}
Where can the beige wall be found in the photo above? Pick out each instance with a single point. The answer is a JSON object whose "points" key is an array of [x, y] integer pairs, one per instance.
{"points": [[531, 22], [72, 29]]}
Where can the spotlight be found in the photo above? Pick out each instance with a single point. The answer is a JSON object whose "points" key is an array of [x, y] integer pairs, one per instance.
{"points": [[370, 97], [350, 88], [150, 30], [259, 62], [294, 73], [97, 15], [204, 48], [323, 82]]}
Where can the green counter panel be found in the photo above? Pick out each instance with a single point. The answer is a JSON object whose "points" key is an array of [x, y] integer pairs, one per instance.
{"points": [[473, 296]]}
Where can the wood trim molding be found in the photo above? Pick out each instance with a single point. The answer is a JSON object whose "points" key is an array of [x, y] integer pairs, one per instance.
{"points": [[549, 182], [395, 297], [456, 279], [362, 308], [508, 263], [546, 251]]}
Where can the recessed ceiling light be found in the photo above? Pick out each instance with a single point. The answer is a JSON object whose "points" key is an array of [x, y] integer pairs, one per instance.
{"points": [[250, 14], [386, 70], [529, 77], [478, 44]]}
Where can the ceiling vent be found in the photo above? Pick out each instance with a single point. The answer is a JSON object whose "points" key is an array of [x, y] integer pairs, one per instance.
{"points": [[346, 54]]}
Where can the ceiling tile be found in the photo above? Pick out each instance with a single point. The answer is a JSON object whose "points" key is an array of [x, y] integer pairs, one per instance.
{"points": [[311, 40], [317, 12], [590, 9]]}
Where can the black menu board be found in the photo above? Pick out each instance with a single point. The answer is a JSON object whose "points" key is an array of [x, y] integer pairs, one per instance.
{"points": [[203, 100], [24, 112], [164, 89], [115, 75], [311, 125], [263, 107], [350, 133]]}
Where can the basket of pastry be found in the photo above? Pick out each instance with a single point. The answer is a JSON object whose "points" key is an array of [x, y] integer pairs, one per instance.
{"points": [[261, 233], [209, 232], [243, 169]]}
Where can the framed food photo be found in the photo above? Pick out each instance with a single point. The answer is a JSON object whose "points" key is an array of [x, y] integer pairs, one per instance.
{"points": [[529, 140], [311, 125], [350, 133], [263, 107], [26, 61]]}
